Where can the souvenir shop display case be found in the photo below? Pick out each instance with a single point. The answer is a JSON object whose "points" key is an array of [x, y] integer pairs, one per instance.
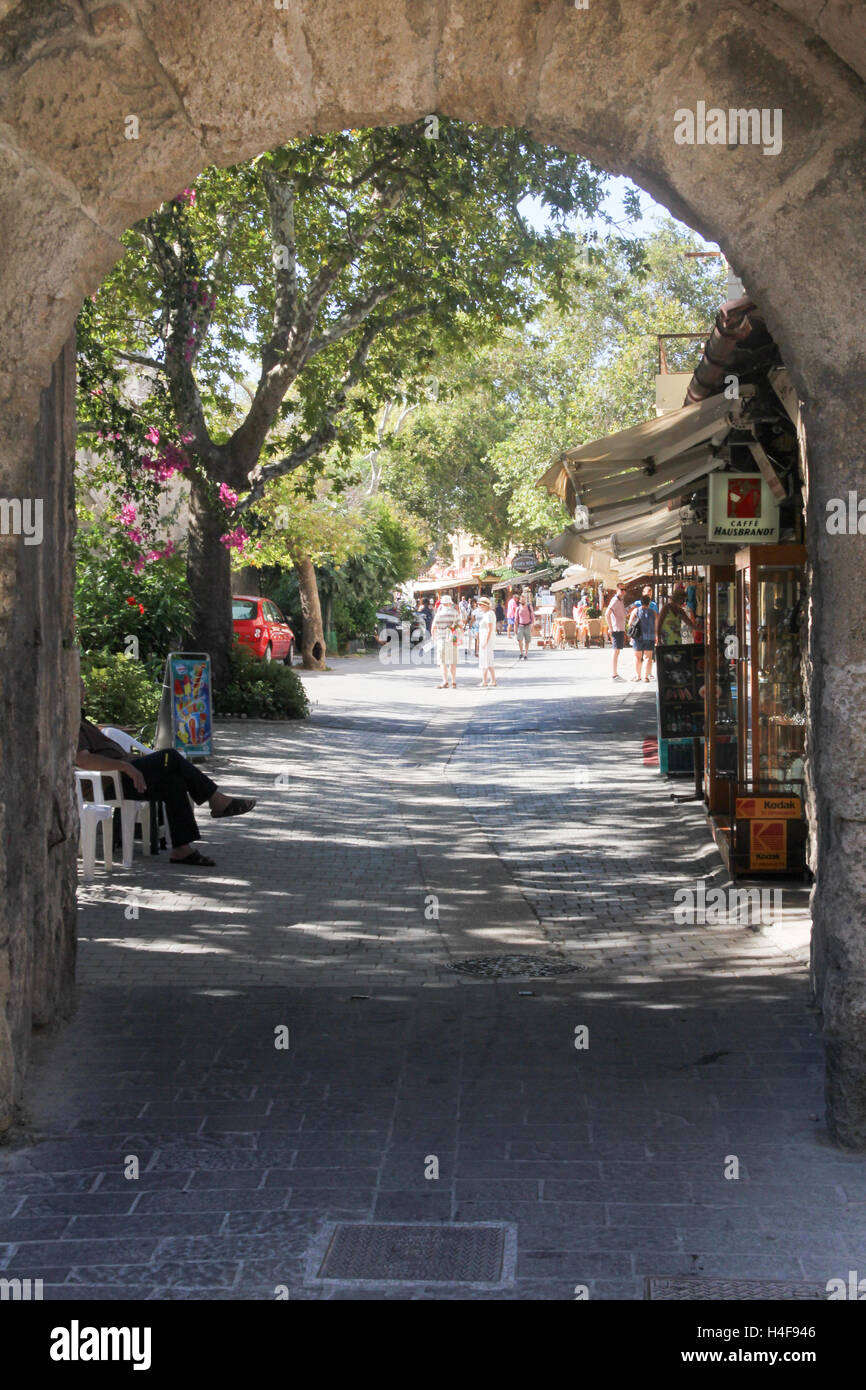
{"points": [[770, 709]]}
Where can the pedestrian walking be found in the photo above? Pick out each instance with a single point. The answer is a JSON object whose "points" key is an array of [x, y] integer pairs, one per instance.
{"points": [[447, 624], [524, 617], [500, 616], [642, 630], [510, 613], [615, 616], [486, 643]]}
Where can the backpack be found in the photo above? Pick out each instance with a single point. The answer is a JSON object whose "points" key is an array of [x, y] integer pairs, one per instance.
{"points": [[642, 627]]}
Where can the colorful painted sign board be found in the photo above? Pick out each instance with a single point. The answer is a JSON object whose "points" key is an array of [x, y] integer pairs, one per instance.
{"points": [[186, 713]]}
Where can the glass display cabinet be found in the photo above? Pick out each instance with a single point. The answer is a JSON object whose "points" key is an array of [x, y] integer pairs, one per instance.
{"points": [[770, 709], [772, 721]]}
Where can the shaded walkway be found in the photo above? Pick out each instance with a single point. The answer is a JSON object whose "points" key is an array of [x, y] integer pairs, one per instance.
{"points": [[527, 814]]}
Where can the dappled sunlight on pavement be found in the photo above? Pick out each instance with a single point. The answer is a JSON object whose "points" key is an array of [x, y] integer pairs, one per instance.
{"points": [[404, 838]]}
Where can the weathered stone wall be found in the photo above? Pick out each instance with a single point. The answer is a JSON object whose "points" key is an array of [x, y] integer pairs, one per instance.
{"points": [[211, 81], [38, 699]]}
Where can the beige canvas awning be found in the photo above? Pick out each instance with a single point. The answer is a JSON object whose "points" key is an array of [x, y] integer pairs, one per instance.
{"points": [[627, 481], [652, 457]]}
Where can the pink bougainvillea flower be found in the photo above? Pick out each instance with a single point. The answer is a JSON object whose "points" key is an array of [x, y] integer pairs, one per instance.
{"points": [[236, 539], [139, 565], [227, 497], [128, 513], [152, 435]]}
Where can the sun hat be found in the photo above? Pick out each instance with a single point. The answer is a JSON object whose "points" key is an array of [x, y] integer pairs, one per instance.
{"points": [[485, 599]]}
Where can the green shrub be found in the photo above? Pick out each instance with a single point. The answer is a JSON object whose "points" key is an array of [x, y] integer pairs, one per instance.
{"points": [[113, 604], [119, 690], [261, 689]]}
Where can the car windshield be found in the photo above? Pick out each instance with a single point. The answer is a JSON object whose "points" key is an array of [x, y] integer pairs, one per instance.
{"points": [[243, 610]]}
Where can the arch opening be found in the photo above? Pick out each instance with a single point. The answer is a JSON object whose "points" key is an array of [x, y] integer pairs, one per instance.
{"points": [[213, 84]]}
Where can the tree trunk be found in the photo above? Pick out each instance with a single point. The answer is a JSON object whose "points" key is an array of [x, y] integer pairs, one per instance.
{"points": [[209, 577], [313, 641]]}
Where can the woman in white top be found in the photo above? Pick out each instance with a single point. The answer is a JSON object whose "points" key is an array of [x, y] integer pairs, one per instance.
{"points": [[444, 630], [486, 635]]}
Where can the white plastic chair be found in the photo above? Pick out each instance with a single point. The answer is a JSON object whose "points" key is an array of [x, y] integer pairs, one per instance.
{"points": [[91, 815], [131, 810]]}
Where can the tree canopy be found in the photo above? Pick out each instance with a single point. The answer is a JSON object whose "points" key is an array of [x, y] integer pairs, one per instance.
{"points": [[573, 373]]}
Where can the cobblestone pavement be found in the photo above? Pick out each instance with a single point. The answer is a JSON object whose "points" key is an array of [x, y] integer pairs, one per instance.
{"points": [[400, 833]]}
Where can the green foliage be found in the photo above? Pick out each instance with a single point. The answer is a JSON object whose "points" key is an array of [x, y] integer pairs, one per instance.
{"points": [[391, 555], [261, 689], [119, 690], [438, 467], [472, 459], [288, 526], [381, 242], [388, 552], [104, 585], [341, 266]]}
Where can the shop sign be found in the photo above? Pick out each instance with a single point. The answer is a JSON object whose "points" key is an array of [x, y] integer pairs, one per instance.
{"points": [[763, 807], [525, 561], [768, 844], [743, 510], [698, 550]]}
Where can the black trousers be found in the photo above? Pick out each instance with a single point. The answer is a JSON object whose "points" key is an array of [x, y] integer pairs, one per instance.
{"points": [[172, 779]]}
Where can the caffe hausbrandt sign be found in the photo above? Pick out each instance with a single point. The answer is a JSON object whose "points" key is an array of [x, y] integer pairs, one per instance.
{"points": [[742, 510]]}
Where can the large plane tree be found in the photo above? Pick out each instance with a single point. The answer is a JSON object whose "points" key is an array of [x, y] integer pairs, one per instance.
{"points": [[273, 307]]}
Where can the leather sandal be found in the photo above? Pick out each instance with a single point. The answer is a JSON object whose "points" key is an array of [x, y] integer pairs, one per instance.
{"points": [[238, 806], [195, 861]]}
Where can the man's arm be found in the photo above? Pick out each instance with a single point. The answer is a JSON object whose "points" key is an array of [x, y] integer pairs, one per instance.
{"points": [[98, 762]]}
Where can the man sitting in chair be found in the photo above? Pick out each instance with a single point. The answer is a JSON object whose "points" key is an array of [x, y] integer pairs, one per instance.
{"points": [[164, 776]]}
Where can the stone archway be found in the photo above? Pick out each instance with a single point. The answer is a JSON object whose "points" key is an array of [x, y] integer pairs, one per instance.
{"points": [[212, 81]]}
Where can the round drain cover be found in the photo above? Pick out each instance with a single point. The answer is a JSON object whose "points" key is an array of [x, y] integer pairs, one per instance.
{"points": [[512, 967]]}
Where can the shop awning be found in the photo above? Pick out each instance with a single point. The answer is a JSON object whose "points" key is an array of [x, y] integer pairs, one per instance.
{"points": [[654, 457], [574, 575], [519, 580], [626, 482], [432, 586]]}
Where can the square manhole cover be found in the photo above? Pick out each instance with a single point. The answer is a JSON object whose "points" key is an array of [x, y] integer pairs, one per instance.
{"points": [[482, 1254], [730, 1290]]}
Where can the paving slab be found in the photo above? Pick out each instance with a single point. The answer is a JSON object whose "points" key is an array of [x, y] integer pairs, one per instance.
{"points": [[400, 831]]}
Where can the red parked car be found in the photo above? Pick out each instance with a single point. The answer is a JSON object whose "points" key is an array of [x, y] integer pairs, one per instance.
{"points": [[260, 625]]}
